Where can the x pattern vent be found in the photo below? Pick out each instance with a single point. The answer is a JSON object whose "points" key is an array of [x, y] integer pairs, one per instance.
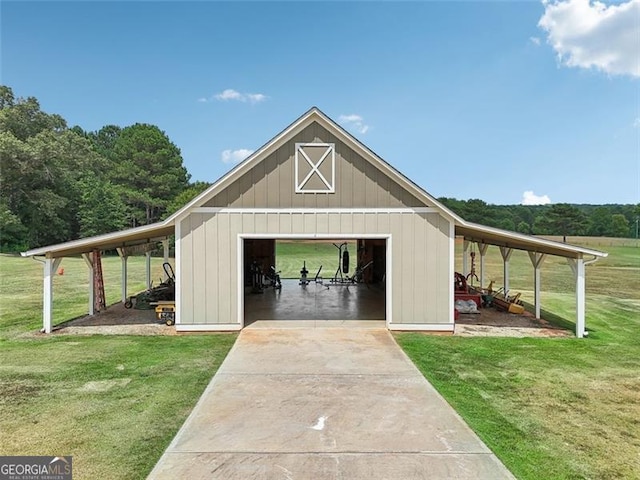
{"points": [[315, 165]]}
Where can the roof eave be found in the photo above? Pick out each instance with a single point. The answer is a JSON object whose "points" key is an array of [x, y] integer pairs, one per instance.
{"points": [[542, 242], [108, 239]]}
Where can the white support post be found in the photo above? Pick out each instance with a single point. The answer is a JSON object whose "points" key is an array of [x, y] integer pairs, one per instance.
{"points": [[148, 269], [506, 255], [178, 265], [50, 267], [578, 268], [123, 256], [482, 248], [88, 259], [165, 257], [465, 262], [536, 261]]}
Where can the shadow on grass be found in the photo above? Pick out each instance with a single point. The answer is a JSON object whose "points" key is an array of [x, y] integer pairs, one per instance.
{"points": [[553, 318]]}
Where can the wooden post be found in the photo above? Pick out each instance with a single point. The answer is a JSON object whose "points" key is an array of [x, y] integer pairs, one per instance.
{"points": [[88, 259]]}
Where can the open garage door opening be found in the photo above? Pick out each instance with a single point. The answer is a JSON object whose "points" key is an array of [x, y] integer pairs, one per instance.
{"points": [[318, 280]]}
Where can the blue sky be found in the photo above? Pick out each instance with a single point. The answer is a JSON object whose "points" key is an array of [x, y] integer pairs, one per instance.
{"points": [[481, 100]]}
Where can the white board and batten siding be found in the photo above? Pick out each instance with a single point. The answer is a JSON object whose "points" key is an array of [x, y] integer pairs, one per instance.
{"points": [[210, 264], [362, 201]]}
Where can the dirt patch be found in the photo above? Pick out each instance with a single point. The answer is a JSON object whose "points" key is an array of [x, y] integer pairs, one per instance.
{"points": [[104, 385], [17, 392], [116, 320], [494, 323], [116, 315]]}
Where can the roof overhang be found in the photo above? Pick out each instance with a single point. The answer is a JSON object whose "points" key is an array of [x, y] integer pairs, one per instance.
{"points": [[125, 238], [505, 238]]}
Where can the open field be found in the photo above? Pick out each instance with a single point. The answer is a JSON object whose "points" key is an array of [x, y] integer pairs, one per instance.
{"points": [[290, 256], [552, 408], [113, 402], [21, 287]]}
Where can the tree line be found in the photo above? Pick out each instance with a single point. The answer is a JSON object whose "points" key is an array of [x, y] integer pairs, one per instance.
{"points": [[59, 183], [555, 219]]}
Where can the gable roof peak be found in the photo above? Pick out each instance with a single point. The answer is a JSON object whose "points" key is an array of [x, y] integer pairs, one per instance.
{"points": [[314, 114]]}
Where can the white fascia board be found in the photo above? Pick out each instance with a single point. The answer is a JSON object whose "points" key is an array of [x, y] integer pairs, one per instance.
{"points": [[213, 210], [212, 327], [424, 327], [314, 236], [104, 238], [533, 240]]}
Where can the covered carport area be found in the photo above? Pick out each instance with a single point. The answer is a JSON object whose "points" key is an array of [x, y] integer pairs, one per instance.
{"points": [[134, 241], [538, 249]]}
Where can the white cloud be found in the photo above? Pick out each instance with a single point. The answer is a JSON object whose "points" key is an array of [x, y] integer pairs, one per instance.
{"points": [[535, 40], [530, 198], [255, 97], [354, 121], [590, 34], [231, 94], [636, 123], [235, 156]]}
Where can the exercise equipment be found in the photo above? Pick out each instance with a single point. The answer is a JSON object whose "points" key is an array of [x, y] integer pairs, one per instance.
{"points": [[341, 276], [343, 265], [318, 278], [273, 278], [358, 274], [304, 276], [256, 277], [304, 281]]}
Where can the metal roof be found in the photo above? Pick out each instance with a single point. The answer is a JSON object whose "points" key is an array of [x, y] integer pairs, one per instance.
{"points": [[504, 238], [124, 238]]}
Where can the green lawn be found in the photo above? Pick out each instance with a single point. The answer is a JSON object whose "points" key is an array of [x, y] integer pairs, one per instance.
{"points": [[549, 408], [291, 255], [113, 402], [552, 408]]}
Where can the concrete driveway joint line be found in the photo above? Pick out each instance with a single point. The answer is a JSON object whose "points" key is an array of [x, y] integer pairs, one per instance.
{"points": [[323, 403]]}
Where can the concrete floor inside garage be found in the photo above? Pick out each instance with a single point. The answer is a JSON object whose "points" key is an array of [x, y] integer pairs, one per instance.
{"points": [[315, 302]]}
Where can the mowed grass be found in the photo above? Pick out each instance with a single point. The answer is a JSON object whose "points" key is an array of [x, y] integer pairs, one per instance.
{"points": [[552, 408], [113, 402], [290, 256], [549, 408], [21, 284]]}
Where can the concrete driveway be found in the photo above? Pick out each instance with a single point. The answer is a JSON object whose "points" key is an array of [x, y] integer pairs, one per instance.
{"points": [[323, 403]]}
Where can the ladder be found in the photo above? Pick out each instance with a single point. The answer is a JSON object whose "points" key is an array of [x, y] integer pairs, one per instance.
{"points": [[99, 301]]}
